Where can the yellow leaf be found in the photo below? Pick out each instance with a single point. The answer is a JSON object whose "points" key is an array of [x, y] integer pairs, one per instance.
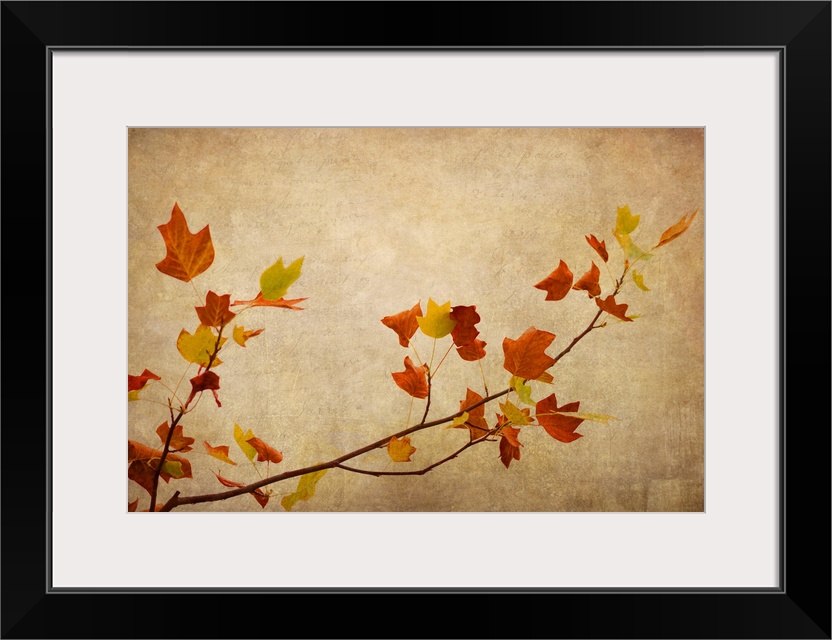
{"points": [[459, 422], [638, 278], [276, 280], [240, 438], [592, 417], [630, 249], [197, 348], [220, 452], [305, 490], [240, 335], [173, 468], [524, 391], [437, 322], [132, 396], [625, 222], [400, 450], [515, 415], [676, 230]]}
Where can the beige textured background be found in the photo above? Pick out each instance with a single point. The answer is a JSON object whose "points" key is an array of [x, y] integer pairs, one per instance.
{"points": [[386, 217]]}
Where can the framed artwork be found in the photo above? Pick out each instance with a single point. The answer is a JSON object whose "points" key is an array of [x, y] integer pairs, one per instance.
{"points": [[406, 179]]}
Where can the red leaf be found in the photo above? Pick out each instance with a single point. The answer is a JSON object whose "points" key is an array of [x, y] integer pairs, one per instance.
{"points": [[178, 441], [589, 282], [264, 451], [404, 323], [137, 383], [525, 356], [617, 310], [259, 301], [600, 247], [208, 381], [413, 379], [472, 352], [257, 494], [509, 445], [476, 424], [556, 284], [143, 461], [558, 426], [676, 230], [215, 313], [464, 332], [132, 506], [188, 254]]}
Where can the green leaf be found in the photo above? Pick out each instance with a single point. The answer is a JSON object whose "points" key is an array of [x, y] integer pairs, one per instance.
{"points": [[515, 415], [173, 468], [305, 490], [630, 249], [276, 280], [638, 278], [524, 391]]}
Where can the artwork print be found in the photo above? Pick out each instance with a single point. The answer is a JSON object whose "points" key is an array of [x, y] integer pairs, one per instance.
{"points": [[415, 319]]}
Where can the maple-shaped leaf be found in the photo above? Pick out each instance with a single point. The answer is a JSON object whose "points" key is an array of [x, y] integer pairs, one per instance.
{"points": [[188, 254], [260, 301], [625, 221], [241, 336], [557, 284], [514, 414], [404, 323], [618, 310], [305, 490], [197, 348], [472, 352], [464, 332], [276, 280], [220, 452], [475, 422], [413, 379], [400, 450], [599, 246], [524, 391], [560, 427], [509, 445], [265, 452], [638, 278], [139, 382], [208, 381], [178, 442], [258, 494], [525, 356], [589, 282], [215, 313], [132, 506], [241, 439], [437, 322], [143, 461], [676, 230]]}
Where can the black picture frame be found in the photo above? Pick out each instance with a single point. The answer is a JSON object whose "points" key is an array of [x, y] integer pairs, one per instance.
{"points": [[798, 608]]}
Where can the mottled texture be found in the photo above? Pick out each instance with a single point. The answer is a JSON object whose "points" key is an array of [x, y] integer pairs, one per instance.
{"points": [[388, 217]]}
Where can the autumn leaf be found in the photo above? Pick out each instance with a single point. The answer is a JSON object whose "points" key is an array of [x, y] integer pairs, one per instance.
{"points": [[258, 494], [464, 332], [173, 468], [437, 322], [208, 381], [188, 254], [558, 426], [618, 310], [630, 249], [475, 422], [241, 336], [143, 461], [197, 348], [240, 438], [459, 421], [260, 301], [400, 450], [139, 382], [305, 490], [515, 415], [404, 323], [413, 379], [676, 230], [638, 278], [525, 356], [132, 506], [265, 453], [215, 313], [276, 280], [625, 222], [545, 378], [524, 391], [600, 247], [589, 282], [472, 352], [592, 417], [509, 445], [556, 284], [178, 442], [220, 453]]}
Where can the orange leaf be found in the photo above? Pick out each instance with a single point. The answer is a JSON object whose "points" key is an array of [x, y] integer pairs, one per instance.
{"points": [[676, 230], [215, 313], [472, 352], [476, 424], [617, 310], [264, 451], [178, 442], [260, 301], [188, 254], [525, 356], [509, 445], [257, 494], [137, 383], [404, 323], [132, 506], [208, 381], [556, 284], [400, 450], [600, 247], [143, 461], [589, 282], [464, 332], [413, 379], [220, 453], [558, 426]]}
